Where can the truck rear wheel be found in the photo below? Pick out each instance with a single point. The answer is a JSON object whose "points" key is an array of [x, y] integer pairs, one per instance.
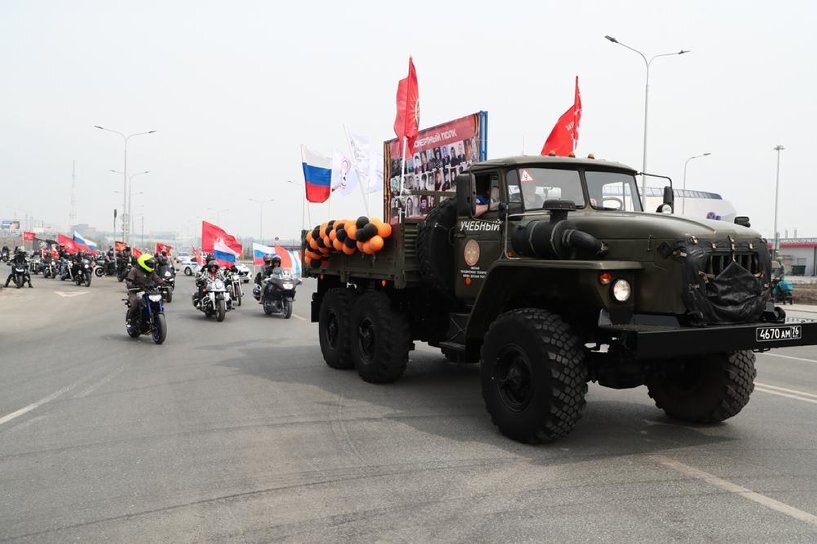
{"points": [[705, 389], [381, 339], [334, 330], [534, 377], [434, 254]]}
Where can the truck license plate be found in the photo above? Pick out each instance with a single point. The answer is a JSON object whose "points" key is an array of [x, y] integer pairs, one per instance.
{"points": [[771, 334]]}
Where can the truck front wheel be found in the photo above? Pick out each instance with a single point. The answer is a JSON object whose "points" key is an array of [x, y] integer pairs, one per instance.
{"points": [[381, 339], [705, 389], [534, 377], [334, 330]]}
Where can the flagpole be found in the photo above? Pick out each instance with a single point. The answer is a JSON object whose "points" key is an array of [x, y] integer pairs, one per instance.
{"points": [[359, 184]]}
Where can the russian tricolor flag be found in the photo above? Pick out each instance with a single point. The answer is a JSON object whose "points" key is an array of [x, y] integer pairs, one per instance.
{"points": [[290, 258], [223, 254], [317, 175], [85, 244]]}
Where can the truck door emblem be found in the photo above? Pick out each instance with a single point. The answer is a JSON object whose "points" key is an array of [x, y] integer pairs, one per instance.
{"points": [[471, 252]]}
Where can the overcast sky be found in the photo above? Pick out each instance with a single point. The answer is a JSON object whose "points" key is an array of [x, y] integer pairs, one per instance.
{"points": [[233, 88]]}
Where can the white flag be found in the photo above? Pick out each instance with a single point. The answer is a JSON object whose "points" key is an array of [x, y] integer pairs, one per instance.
{"points": [[375, 176], [361, 151], [344, 177]]}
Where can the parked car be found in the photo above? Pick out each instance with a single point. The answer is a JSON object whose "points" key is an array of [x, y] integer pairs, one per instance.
{"points": [[187, 264]]}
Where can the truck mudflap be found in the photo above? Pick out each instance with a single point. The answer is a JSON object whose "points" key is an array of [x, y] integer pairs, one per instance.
{"points": [[657, 339]]}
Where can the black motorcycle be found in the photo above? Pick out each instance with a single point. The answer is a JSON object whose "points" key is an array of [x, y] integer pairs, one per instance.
{"points": [[83, 272], [19, 273], [233, 280], [168, 275], [64, 269], [277, 292], [152, 318], [4, 255], [49, 270]]}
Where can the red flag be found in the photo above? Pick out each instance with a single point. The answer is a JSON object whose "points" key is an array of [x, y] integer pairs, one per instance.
{"points": [[119, 246], [211, 233], [28, 236], [565, 135], [136, 252], [407, 122], [68, 242], [198, 257], [163, 247]]}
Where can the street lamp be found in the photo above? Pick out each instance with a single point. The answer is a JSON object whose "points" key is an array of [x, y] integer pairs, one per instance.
{"points": [[646, 107], [218, 213], [777, 148], [261, 219], [684, 201], [125, 138], [130, 193]]}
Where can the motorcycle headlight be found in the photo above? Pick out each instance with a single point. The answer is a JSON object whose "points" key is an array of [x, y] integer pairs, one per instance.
{"points": [[288, 286], [622, 290], [155, 298], [167, 274], [218, 284]]}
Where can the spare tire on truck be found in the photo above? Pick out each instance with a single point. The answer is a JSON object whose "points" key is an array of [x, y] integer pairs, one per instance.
{"points": [[434, 254]]}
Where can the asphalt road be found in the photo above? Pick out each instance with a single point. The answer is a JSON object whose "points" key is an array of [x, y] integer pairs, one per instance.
{"points": [[238, 432]]}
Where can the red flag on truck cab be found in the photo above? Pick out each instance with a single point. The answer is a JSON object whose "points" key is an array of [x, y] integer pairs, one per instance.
{"points": [[407, 122], [565, 135]]}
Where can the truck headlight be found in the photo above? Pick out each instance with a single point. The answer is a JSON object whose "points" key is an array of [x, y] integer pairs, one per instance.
{"points": [[622, 290]]}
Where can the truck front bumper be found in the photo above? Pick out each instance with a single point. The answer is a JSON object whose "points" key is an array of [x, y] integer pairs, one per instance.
{"points": [[661, 338]]}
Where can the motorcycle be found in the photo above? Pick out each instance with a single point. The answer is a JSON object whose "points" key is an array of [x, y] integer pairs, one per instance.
{"points": [[168, 274], [215, 300], [36, 265], [84, 273], [49, 270], [4, 255], [152, 318], [233, 281], [102, 266], [782, 291], [277, 292], [64, 271], [19, 271]]}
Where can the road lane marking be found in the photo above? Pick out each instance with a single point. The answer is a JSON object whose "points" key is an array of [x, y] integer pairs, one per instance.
{"points": [[34, 405], [744, 492], [296, 316], [792, 391], [781, 394], [790, 357], [94, 386], [71, 294]]}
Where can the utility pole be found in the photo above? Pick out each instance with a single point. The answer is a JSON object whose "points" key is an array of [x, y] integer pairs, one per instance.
{"points": [[777, 148], [72, 213]]}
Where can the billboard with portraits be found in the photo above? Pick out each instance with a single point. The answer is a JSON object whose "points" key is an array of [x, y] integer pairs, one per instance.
{"points": [[440, 153]]}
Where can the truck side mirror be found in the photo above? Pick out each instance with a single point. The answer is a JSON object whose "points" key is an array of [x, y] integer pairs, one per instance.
{"points": [[743, 221], [669, 198], [466, 195]]}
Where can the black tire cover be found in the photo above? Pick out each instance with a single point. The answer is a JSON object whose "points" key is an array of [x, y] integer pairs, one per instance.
{"points": [[434, 251]]}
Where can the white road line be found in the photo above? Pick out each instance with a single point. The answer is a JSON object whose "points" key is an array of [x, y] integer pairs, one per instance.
{"points": [[789, 357], [94, 386], [71, 294], [296, 316], [787, 395], [728, 486], [793, 391], [34, 405]]}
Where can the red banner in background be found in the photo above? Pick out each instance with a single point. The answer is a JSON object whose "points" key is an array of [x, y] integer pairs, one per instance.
{"points": [[28, 236], [163, 247], [67, 242]]}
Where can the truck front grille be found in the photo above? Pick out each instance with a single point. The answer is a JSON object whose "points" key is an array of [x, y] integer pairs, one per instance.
{"points": [[717, 262]]}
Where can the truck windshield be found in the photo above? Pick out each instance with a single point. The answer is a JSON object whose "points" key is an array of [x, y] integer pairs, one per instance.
{"points": [[613, 191], [536, 185]]}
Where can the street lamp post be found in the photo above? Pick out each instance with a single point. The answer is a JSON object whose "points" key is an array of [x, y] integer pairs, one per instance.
{"points": [[261, 217], [684, 201], [777, 148], [218, 213], [130, 195], [125, 210], [646, 108]]}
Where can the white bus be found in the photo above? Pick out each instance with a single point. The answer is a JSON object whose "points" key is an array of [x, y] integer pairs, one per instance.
{"points": [[694, 204]]}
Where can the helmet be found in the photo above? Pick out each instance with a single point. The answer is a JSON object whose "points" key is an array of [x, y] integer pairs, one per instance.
{"points": [[276, 260], [146, 262], [212, 264], [267, 259]]}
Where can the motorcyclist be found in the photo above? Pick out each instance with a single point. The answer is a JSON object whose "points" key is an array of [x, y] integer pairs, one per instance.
{"points": [[21, 259], [210, 271], [141, 276], [271, 262]]}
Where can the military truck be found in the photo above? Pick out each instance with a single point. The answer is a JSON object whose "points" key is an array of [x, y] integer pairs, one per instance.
{"points": [[548, 272]]}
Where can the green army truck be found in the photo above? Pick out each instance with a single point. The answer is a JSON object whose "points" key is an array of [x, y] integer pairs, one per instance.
{"points": [[548, 273]]}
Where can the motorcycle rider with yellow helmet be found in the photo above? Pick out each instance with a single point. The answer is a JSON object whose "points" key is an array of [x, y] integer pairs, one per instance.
{"points": [[140, 277]]}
